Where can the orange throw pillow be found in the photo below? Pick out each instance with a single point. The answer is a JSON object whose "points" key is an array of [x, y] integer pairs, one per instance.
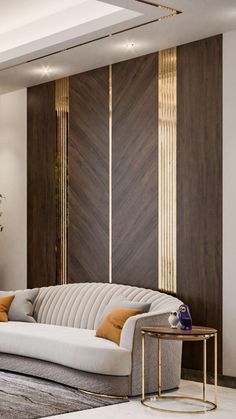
{"points": [[111, 326], [5, 303]]}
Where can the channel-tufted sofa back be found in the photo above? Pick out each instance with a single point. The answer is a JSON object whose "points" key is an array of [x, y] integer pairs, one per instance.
{"points": [[80, 305]]}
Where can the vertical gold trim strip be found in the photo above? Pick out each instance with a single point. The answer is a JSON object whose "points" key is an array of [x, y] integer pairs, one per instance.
{"points": [[110, 174], [167, 134], [62, 111]]}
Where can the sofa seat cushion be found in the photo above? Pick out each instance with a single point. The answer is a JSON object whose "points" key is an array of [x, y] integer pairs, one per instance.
{"points": [[71, 347]]}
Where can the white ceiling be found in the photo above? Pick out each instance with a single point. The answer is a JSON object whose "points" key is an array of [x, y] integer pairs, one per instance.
{"points": [[16, 14], [30, 29], [28, 26]]}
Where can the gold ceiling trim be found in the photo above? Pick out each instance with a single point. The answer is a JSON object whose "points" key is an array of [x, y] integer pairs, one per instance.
{"points": [[159, 6], [171, 13]]}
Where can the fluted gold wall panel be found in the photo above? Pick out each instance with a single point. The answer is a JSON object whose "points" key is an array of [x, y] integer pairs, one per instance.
{"points": [[62, 110], [167, 134]]}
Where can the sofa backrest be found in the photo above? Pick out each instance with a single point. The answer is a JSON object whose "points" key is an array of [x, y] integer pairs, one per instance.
{"points": [[81, 305]]}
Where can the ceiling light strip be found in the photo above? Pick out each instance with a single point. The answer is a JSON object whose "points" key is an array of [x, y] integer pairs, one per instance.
{"points": [[167, 155], [172, 13], [145, 23], [159, 6], [110, 174]]}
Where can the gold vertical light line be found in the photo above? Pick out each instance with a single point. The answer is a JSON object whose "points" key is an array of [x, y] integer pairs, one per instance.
{"points": [[159, 367], [174, 178], [168, 127], [170, 267], [64, 188], [160, 180], [143, 366], [172, 185], [162, 177], [215, 371], [163, 186], [165, 145], [169, 184], [66, 131], [62, 110], [167, 137], [61, 238], [204, 369], [65, 168], [110, 174]]}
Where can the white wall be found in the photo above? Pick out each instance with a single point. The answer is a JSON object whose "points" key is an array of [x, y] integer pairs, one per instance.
{"points": [[13, 185], [229, 203]]}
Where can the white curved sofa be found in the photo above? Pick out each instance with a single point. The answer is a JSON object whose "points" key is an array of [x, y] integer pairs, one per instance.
{"points": [[62, 346]]}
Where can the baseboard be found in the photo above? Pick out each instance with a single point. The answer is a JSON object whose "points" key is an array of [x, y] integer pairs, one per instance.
{"points": [[195, 375]]}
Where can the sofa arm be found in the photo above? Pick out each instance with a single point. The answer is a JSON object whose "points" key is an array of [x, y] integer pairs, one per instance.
{"points": [[135, 323], [170, 358]]}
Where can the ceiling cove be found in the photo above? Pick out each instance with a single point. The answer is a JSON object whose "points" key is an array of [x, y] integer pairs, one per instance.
{"points": [[145, 12]]}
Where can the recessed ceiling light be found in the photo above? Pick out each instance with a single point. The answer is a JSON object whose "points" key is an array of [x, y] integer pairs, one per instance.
{"points": [[49, 71], [46, 70], [130, 45]]}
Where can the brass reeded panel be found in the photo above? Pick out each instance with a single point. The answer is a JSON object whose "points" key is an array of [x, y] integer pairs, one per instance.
{"points": [[62, 111], [167, 138]]}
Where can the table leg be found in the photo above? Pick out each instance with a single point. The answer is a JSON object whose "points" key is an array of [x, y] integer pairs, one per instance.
{"points": [[159, 367], [204, 368], [143, 366], [216, 395]]}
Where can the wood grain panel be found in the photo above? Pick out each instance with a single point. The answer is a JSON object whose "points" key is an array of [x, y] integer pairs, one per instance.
{"points": [[199, 189], [41, 204], [135, 172], [88, 176]]}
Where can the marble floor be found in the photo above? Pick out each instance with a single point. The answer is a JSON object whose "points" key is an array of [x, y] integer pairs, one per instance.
{"points": [[226, 406]]}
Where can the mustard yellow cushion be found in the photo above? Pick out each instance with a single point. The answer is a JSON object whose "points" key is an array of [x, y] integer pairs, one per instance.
{"points": [[111, 326], [5, 303]]}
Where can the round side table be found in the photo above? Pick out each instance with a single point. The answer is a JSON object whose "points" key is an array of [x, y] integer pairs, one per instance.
{"points": [[166, 333]]}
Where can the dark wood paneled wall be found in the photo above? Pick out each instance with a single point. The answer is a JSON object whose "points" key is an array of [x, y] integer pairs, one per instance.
{"points": [[135, 181], [199, 189], [88, 176], [135, 172], [41, 201]]}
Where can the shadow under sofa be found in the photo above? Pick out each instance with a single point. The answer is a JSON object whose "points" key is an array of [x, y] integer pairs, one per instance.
{"points": [[61, 346]]}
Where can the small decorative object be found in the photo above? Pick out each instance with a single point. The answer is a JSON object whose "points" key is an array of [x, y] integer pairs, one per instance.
{"points": [[185, 317], [173, 319]]}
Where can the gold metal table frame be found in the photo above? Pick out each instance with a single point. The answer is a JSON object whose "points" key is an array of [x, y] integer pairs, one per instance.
{"points": [[166, 333]]}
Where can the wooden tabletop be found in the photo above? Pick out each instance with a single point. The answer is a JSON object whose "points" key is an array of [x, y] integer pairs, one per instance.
{"points": [[167, 331]]}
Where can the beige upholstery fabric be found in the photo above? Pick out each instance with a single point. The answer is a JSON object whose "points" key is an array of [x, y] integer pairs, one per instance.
{"points": [[170, 355], [81, 305], [74, 348], [109, 384]]}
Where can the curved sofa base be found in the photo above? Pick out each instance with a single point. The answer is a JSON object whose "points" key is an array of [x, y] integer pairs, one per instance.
{"points": [[95, 383]]}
